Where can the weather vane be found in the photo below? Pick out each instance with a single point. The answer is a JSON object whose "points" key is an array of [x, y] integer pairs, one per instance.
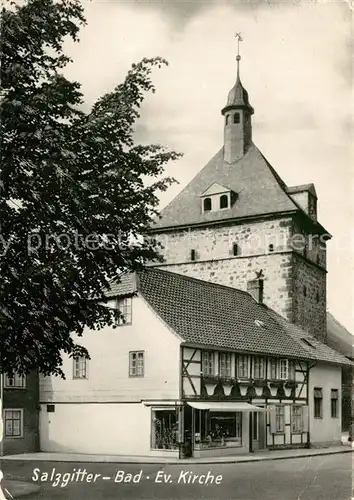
{"points": [[239, 39]]}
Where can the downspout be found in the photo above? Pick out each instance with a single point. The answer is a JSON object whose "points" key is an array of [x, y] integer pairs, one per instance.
{"points": [[308, 444]]}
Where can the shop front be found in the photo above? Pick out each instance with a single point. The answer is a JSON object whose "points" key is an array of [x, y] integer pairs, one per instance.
{"points": [[223, 428]]}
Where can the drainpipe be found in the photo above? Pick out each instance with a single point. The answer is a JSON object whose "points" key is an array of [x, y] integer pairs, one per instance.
{"points": [[1, 414]]}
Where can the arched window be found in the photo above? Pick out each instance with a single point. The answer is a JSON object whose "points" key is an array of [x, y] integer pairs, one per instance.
{"points": [[227, 119], [237, 118], [224, 201], [235, 249], [207, 204]]}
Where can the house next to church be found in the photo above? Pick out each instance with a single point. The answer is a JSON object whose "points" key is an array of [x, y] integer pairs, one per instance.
{"points": [[222, 350]]}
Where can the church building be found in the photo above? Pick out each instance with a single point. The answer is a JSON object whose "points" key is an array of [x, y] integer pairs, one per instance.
{"points": [[222, 347]]}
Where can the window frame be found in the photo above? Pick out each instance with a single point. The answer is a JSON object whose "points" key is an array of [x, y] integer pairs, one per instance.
{"points": [[136, 375], [211, 204], [335, 399], [262, 365], [126, 310], [293, 418], [80, 359], [211, 363], [237, 118], [243, 357], [20, 410], [277, 416], [227, 364], [320, 400], [14, 386], [286, 371]]}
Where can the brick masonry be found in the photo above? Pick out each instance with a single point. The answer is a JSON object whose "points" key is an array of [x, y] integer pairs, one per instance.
{"points": [[294, 267]]}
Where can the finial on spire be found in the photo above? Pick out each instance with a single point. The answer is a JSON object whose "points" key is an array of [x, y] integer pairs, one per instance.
{"points": [[238, 57]]}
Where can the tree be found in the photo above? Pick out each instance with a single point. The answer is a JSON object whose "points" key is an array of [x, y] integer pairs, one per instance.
{"points": [[73, 192]]}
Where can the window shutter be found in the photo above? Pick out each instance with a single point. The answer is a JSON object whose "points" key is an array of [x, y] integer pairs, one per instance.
{"points": [[272, 420], [305, 419]]}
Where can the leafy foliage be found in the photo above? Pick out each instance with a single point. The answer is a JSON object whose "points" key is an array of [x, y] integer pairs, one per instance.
{"points": [[76, 192]]}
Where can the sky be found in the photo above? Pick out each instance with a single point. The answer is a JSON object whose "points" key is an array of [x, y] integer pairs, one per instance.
{"points": [[297, 63]]}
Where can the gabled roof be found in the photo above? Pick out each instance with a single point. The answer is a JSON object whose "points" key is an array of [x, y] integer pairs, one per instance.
{"points": [[215, 188], [339, 337], [259, 188], [212, 315], [300, 189]]}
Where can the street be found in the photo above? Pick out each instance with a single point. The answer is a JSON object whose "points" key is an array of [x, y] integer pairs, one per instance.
{"points": [[312, 478]]}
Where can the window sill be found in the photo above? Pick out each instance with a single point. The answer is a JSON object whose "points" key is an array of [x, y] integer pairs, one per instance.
{"points": [[318, 418], [13, 437], [13, 387]]}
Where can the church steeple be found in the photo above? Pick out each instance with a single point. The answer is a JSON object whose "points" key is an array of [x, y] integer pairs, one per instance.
{"points": [[237, 113]]}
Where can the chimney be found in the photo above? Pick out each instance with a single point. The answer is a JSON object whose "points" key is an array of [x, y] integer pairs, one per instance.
{"points": [[255, 288]]}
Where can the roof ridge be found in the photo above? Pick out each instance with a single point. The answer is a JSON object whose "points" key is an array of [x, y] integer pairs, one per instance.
{"points": [[209, 283]]}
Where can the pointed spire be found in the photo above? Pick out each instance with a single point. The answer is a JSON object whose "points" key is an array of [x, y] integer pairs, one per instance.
{"points": [[238, 57]]}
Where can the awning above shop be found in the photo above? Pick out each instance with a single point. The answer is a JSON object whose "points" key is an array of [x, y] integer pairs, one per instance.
{"points": [[224, 406]]}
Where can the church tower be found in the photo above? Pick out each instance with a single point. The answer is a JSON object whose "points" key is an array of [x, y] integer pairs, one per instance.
{"points": [[237, 220]]}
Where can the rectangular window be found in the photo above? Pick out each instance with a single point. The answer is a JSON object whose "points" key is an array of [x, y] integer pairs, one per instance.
{"points": [[15, 381], [13, 423], [258, 367], [291, 370], [334, 403], [221, 429], [242, 366], [80, 367], [279, 419], [225, 364], [283, 369], [208, 363], [318, 399], [296, 419], [124, 306], [273, 369], [164, 430], [136, 364]]}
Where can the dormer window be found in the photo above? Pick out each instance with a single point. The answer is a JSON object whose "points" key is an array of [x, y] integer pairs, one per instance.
{"points": [[224, 201], [207, 204], [237, 118]]}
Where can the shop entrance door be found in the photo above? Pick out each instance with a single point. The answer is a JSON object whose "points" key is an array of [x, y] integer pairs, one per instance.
{"points": [[188, 431], [258, 429]]}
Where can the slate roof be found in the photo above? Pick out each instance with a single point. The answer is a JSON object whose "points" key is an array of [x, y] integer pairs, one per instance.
{"points": [[302, 187], [213, 315], [259, 188], [338, 337]]}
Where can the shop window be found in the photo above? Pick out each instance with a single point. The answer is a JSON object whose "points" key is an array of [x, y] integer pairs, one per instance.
{"points": [[208, 363], [13, 423], [318, 402], [296, 419], [242, 367], [124, 306], [221, 429], [136, 364], [258, 367], [224, 201], [225, 364], [15, 381], [164, 430], [207, 204], [334, 403], [80, 367], [280, 419]]}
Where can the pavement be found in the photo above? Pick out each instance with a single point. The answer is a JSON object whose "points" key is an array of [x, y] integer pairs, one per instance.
{"points": [[18, 489], [124, 459]]}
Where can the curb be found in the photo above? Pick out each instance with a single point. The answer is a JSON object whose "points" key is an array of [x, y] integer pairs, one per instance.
{"points": [[231, 460], [18, 488]]}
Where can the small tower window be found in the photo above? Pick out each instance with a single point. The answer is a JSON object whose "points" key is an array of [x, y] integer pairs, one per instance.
{"points": [[227, 119], [317, 258], [193, 254], [235, 249], [207, 204], [237, 118], [317, 297], [305, 291], [224, 201], [271, 248]]}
